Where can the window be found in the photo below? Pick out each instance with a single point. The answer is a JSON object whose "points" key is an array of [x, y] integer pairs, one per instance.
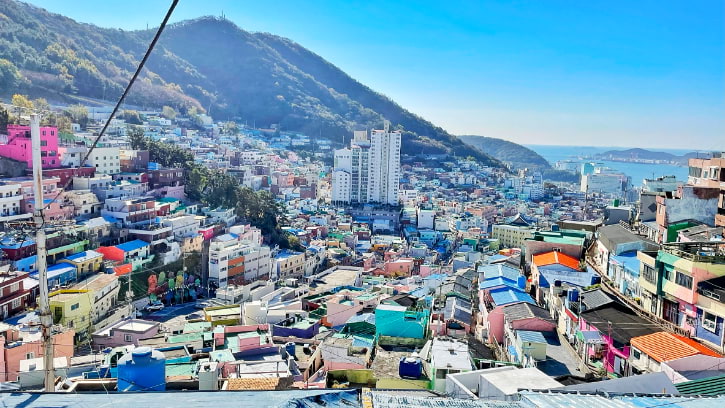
{"points": [[668, 274], [74, 307], [637, 355], [649, 274], [127, 338], [709, 322], [683, 280], [14, 287], [30, 355], [17, 303], [44, 142]]}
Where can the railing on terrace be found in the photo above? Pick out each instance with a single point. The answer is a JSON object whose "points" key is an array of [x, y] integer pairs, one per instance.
{"points": [[699, 251]]}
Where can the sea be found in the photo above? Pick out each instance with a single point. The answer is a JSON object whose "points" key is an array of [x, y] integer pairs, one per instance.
{"points": [[638, 171]]}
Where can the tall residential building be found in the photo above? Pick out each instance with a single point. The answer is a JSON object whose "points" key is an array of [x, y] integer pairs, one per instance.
{"points": [[368, 171]]}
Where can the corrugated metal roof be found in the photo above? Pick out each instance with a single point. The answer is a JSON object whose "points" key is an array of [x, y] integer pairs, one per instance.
{"points": [[704, 386], [506, 296], [132, 245], [530, 336]]}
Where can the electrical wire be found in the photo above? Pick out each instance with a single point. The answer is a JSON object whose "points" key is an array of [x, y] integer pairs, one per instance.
{"points": [[123, 96]]}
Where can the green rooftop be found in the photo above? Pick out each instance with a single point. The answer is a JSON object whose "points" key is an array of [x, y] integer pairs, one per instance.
{"points": [[710, 386]]}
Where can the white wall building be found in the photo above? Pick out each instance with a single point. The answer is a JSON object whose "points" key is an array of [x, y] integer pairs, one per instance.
{"points": [[384, 166], [106, 160]]}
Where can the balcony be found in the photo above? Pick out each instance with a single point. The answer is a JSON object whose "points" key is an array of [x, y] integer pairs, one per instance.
{"points": [[708, 252]]}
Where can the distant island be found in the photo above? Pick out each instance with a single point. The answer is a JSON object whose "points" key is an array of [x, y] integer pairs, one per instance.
{"points": [[646, 157]]}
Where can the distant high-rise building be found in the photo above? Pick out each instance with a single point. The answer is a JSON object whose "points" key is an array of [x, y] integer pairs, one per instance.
{"points": [[368, 171]]}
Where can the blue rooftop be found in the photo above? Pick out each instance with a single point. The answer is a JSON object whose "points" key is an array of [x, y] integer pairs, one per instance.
{"points": [[496, 282], [132, 245], [530, 336], [505, 296], [628, 260], [492, 271]]}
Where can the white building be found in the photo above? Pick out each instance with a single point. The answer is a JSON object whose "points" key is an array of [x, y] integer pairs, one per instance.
{"points": [[368, 171], [384, 166], [106, 160], [10, 197], [234, 261]]}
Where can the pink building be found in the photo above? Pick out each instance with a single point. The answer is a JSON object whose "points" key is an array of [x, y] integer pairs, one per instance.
{"points": [[23, 343], [17, 146], [401, 267]]}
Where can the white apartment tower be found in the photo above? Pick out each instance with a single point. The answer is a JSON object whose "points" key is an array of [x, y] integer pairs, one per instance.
{"points": [[368, 171]]}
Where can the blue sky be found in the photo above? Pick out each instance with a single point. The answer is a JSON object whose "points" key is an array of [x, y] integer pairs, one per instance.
{"points": [[612, 73]]}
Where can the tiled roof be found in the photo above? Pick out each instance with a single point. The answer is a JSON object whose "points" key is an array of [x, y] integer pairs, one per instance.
{"points": [[250, 384], [664, 346], [556, 257]]}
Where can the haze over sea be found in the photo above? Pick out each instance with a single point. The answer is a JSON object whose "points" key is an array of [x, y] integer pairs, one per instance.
{"points": [[638, 171]]}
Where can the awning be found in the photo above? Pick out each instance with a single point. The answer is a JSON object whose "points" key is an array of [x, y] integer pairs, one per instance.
{"points": [[590, 337]]}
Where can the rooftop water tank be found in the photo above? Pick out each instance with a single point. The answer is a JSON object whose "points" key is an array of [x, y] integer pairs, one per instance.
{"points": [[143, 369], [573, 295], [290, 348], [521, 281], [410, 367]]}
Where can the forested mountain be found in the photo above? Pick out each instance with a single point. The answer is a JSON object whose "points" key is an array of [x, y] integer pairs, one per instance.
{"points": [[206, 63], [518, 157]]}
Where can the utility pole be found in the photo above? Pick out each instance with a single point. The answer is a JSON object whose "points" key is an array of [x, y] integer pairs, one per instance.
{"points": [[46, 319]]}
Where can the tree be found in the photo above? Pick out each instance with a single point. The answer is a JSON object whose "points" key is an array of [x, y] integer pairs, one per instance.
{"points": [[78, 114], [132, 117], [168, 112], [9, 75], [4, 119], [22, 101], [231, 128], [41, 104], [63, 123], [137, 139]]}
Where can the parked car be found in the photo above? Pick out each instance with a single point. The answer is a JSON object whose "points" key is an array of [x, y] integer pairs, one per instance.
{"points": [[201, 304], [195, 316], [154, 306]]}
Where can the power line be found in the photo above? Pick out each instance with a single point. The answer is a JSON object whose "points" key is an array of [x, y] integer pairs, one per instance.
{"points": [[125, 92]]}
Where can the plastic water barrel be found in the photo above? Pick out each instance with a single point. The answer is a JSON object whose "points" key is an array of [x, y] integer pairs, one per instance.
{"points": [[290, 348], [521, 281], [573, 295], [410, 367], [143, 369]]}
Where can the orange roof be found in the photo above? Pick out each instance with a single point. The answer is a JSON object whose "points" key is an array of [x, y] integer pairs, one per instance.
{"points": [[664, 346], [556, 257], [123, 269]]}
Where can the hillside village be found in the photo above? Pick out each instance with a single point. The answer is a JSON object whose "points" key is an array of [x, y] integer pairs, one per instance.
{"points": [[429, 274]]}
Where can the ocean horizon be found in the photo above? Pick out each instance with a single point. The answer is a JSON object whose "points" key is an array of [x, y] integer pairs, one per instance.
{"points": [[638, 171]]}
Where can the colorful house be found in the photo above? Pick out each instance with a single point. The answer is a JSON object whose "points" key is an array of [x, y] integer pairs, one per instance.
{"points": [[22, 342], [650, 351], [401, 321], [681, 267], [18, 146], [135, 252]]}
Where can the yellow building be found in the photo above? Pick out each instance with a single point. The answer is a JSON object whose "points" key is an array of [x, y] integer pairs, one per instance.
{"points": [[72, 308], [86, 262]]}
